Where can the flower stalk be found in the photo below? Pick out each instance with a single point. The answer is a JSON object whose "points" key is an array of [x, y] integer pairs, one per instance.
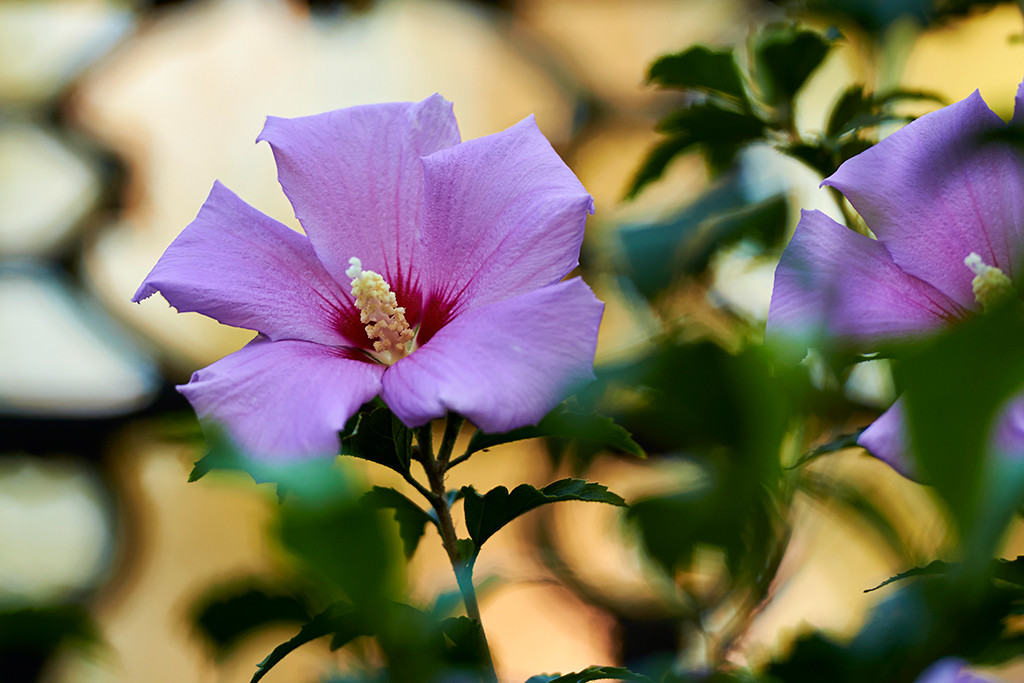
{"points": [[436, 468]]}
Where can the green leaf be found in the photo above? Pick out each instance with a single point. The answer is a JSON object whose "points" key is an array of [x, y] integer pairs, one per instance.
{"points": [[379, 436], [488, 513], [345, 544], [785, 57], [314, 478], [412, 519], [657, 160], [931, 569], [658, 256], [840, 443], [465, 642], [699, 68], [566, 424], [592, 673], [954, 387], [339, 620], [229, 613]]}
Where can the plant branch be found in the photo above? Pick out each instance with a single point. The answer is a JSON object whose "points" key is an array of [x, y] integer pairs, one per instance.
{"points": [[463, 567]]}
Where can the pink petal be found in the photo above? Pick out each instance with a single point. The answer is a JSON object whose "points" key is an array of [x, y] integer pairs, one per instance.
{"points": [[933, 192], [354, 178], [887, 439], [504, 365], [503, 215], [834, 282], [245, 269], [283, 400]]}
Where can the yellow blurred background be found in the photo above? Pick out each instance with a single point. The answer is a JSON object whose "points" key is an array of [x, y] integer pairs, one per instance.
{"points": [[115, 120]]}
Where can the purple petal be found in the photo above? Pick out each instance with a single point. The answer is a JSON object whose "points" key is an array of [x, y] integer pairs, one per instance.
{"points": [[504, 365], [887, 439], [950, 670], [503, 215], [283, 399], [1018, 106], [1009, 429], [354, 178], [245, 269], [835, 282], [933, 193]]}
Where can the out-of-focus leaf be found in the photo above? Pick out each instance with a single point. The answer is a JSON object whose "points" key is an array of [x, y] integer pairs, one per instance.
{"points": [[378, 436], [592, 673], [412, 519], [719, 131], [29, 636], [847, 497], [954, 387], [310, 478], [229, 613], [656, 162], [658, 255], [341, 621], [346, 544], [699, 68], [563, 423], [465, 642], [729, 414], [784, 57], [488, 513]]}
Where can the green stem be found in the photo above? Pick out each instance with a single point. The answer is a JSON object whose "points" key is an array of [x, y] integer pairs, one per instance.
{"points": [[463, 567]]}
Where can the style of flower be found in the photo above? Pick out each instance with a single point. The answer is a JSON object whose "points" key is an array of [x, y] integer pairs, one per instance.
{"points": [[947, 208], [430, 274]]}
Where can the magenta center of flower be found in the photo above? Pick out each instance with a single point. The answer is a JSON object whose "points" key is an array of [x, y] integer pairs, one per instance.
{"points": [[990, 284], [393, 338]]}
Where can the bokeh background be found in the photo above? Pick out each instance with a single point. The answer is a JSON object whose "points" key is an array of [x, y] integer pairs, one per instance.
{"points": [[115, 120]]}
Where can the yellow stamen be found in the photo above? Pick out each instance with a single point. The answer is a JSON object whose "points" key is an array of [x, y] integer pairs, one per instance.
{"points": [[393, 338], [990, 284]]}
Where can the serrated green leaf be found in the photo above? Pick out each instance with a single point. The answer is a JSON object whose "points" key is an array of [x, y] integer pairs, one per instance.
{"points": [[339, 620], [931, 569], [412, 519], [486, 514], [229, 613], [380, 437], [592, 673], [699, 68], [564, 423]]}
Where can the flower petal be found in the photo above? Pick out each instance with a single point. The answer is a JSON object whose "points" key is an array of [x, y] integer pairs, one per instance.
{"points": [[283, 400], [354, 178], [934, 192], [503, 215], [504, 365], [834, 282], [245, 269], [887, 439], [950, 670]]}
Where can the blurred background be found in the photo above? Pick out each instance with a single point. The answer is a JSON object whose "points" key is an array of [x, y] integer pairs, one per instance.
{"points": [[115, 120]]}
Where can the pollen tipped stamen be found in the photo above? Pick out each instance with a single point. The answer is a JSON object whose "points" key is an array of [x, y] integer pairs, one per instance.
{"points": [[393, 338], [990, 284]]}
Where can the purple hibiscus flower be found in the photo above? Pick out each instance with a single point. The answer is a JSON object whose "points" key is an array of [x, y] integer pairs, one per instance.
{"points": [[950, 670], [430, 274], [948, 212]]}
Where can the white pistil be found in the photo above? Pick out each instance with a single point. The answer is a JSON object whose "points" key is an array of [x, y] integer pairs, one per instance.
{"points": [[392, 337], [990, 284]]}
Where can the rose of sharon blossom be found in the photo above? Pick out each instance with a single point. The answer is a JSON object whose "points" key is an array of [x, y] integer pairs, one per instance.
{"points": [[950, 670], [430, 274], [947, 208]]}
